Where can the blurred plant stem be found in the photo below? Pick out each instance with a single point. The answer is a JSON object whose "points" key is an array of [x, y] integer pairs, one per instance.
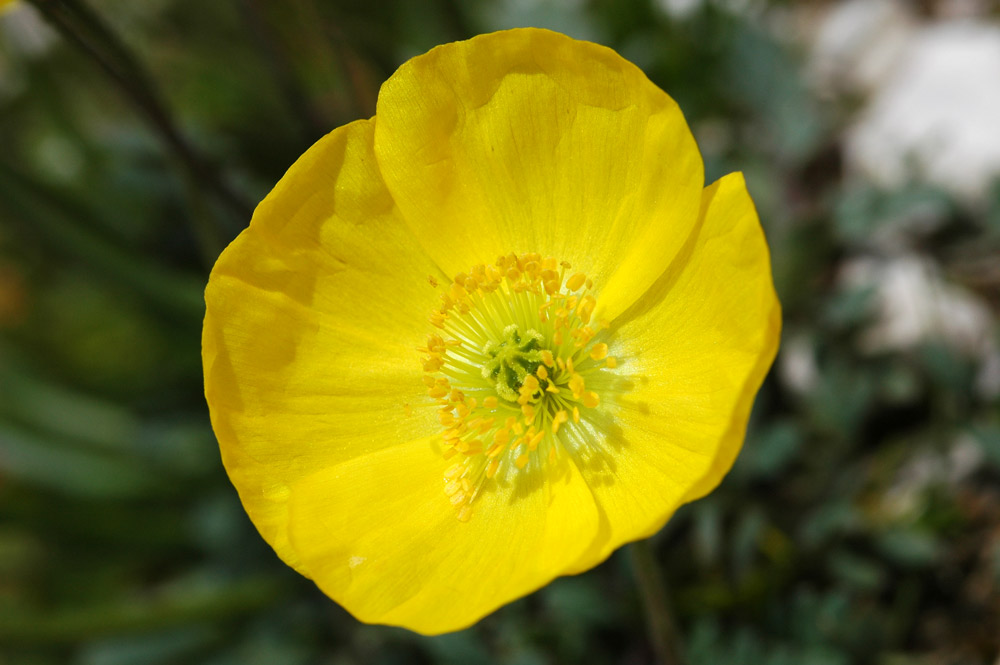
{"points": [[84, 28], [311, 123], [656, 604]]}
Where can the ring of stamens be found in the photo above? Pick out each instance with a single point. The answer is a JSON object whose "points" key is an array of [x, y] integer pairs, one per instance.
{"points": [[511, 370]]}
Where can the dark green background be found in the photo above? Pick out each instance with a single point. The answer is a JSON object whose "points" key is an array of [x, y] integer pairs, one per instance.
{"points": [[844, 534]]}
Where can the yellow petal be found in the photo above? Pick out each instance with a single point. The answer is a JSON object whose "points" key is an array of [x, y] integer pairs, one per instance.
{"points": [[529, 141], [378, 535], [313, 316], [695, 351]]}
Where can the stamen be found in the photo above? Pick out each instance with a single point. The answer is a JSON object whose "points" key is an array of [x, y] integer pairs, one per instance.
{"points": [[509, 368]]}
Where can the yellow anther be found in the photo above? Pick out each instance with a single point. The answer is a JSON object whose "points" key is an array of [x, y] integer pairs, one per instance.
{"points": [[452, 487], [446, 418], [552, 454], [591, 399], [535, 440], [599, 351], [490, 403], [547, 358], [465, 513], [569, 365], [551, 388], [586, 308], [475, 447], [502, 436], [457, 292], [529, 413], [576, 281], [433, 364], [462, 410], [530, 384], [522, 460], [437, 391], [428, 380], [576, 384], [610, 362], [560, 417], [491, 468], [541, 372], [576, 414]]}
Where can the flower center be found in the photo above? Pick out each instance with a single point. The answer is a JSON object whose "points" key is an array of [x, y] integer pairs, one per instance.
{"points": [[516, 371], [511, 360]]}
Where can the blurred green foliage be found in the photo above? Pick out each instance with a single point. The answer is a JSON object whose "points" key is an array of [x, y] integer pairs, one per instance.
{"points": [[861, 523]]}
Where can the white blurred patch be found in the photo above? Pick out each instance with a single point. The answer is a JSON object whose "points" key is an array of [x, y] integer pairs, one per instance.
{"points": [[797, 366], [914, 305], [905, 499], [856, 44], [680, 9], [937, 118], [988, 378], [24, 29]]}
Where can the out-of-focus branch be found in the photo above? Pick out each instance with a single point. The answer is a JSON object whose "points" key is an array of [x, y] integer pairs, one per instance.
{"points": [[659, 617], [91, 35], [271, 46]]}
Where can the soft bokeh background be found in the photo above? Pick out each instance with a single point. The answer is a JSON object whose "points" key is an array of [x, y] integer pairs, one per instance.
{"points": [[861, 523]]}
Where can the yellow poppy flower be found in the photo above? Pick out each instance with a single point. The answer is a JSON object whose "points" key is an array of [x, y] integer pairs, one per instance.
{"points": [[488, 336]]}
